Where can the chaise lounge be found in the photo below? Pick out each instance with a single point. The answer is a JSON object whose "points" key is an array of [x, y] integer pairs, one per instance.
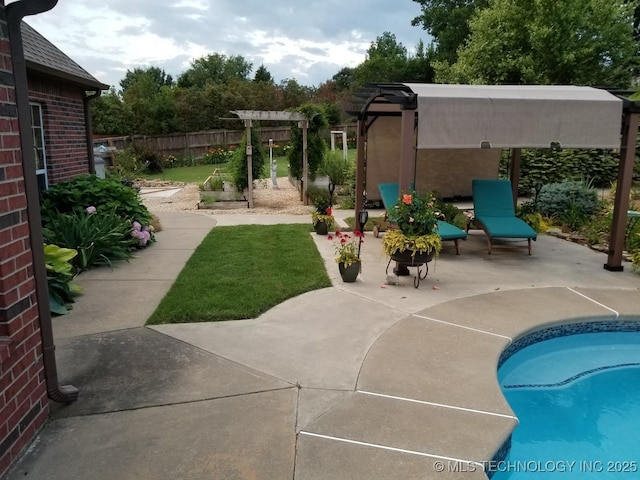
{"points": [[390, 193], [494, 212]]}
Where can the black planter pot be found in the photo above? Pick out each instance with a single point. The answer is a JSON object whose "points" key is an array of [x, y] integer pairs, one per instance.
{"points": [[406, 259], [350, 273], [321, 228]]}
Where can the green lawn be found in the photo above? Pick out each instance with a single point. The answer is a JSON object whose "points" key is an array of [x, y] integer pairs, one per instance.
{"points": [[242, 271], [199, 173]]}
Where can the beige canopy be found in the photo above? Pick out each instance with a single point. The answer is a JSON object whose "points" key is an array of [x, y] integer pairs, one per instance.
{"points": [[531, 116], [432, 117]]}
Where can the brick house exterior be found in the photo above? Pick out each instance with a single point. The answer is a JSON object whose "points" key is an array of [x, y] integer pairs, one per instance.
{"points": [[28, 377], [62, 89]]}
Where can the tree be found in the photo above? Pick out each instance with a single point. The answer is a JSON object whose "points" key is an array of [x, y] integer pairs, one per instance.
{"points": [[386, 61], [344, 79], [149, 110], [107, 114], [215, 68], [263, 75], [579, 42], [155, 75], [448, 22]]}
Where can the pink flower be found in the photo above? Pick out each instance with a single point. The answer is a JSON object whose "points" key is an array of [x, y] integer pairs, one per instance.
{"points": [[411, 219], [91, 210], [406, 199], [137, 226]]}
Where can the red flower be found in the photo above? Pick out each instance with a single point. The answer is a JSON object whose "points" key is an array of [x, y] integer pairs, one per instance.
{"points": [[406, 199], [328, 211], [330, 237]]}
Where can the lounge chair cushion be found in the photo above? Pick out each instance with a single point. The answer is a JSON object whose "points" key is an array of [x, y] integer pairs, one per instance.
{"points": [[494, 209]]}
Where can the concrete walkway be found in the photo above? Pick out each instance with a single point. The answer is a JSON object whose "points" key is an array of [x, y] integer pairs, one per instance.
{"points": [[373, 380]]}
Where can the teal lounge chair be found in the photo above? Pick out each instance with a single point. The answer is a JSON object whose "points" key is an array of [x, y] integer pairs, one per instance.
{"points": [[390, 193], [495, 213]]}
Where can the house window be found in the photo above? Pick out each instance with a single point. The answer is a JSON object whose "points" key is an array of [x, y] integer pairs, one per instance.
{"points": [[39, 151]]}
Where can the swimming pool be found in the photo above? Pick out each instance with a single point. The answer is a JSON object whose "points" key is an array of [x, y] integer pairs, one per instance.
{"points": [[577, 398]]}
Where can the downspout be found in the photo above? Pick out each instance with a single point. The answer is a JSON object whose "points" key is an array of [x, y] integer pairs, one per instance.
{"points": [[15, 12], [89, 133]]}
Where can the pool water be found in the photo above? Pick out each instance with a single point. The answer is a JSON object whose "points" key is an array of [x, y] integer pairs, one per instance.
{"points": [[577, 399]]}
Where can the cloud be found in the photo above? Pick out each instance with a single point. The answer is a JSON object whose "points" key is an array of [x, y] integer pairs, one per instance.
{"points": [[306, 41]]}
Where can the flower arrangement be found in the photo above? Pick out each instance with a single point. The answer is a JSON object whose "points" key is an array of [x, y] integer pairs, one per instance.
{"points": [[417, 221], [323, 212], [347, 246]]}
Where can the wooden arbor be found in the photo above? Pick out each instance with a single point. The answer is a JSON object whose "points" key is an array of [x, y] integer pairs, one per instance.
{"points": [[274, 116]]}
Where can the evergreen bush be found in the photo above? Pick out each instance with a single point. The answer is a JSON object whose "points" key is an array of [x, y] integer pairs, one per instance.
{"points": [[238, 167], [567, 197], [316, 146]]}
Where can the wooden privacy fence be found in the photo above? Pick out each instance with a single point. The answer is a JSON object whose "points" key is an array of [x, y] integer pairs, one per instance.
{"points": [[193, 144]]}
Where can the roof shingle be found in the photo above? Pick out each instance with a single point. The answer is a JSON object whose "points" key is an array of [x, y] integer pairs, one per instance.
{"points": [[43, 56]]}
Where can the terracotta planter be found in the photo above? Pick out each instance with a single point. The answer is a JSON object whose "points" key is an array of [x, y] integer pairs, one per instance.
{"points": [[350, 273]]}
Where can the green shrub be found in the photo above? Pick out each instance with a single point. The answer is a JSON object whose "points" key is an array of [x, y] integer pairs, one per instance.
{"points": [[543, 166], [238, 167], [216, 155], [90, 191], [528, 213], [597, 229], [99, 238], [316, 146], [567, 198], [335, 166], [148, 158], [59, 275], [318, 195], [634, 247]]}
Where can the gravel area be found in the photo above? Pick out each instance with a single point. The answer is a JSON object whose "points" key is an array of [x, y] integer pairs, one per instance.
{"points": [[267, 200]]}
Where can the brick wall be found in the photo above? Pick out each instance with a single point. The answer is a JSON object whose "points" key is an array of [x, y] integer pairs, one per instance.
{"points": [[23, 398], [65, 130]]}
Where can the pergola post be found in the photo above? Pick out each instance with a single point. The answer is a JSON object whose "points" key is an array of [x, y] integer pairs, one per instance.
{"points": [[360, 173], [249, 152], [407, 171], [516, 157], [621, 201]]}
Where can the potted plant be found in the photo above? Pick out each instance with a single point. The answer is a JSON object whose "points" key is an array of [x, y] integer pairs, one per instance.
{"points": [[347, 254], [322, 217], [415, 240]]}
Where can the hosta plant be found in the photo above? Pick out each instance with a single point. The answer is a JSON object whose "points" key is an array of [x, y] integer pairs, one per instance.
{"points": [[60, 272]]}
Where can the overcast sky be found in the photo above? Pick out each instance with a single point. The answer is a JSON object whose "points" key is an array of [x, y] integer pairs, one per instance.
{"points": [[309, 41]]}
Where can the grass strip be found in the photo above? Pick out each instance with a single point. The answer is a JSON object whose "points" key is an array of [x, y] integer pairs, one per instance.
{"points": [[242, 271]]}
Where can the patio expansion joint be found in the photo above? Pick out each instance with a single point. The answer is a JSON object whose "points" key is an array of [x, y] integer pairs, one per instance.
{"points": [[392, 449], [172, 404], [376, 301], [433, 404], [477, 330], [235, 362], [616, 313]]}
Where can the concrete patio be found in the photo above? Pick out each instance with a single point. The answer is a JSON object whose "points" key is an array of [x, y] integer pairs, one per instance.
{"points": [[372, 380]]}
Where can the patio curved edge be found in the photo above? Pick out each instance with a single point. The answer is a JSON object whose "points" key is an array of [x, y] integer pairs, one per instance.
{"points": [[428, 386]]}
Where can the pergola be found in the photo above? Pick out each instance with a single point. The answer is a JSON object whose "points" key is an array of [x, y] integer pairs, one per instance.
{"points": [[274, 116], [484, 117]]}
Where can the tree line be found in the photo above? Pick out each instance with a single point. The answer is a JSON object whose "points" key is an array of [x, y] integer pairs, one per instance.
{"points": [[573, 42]]}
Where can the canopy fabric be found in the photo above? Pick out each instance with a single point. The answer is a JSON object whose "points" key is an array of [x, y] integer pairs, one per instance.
{"points": [[505, 116]]}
